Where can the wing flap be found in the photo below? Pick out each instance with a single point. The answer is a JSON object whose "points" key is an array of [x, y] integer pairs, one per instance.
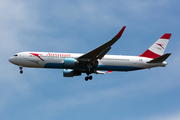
{"points": [[101, 72]]}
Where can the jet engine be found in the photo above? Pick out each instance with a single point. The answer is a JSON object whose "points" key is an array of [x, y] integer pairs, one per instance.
{"points": [[70, 73], [70, 62]]}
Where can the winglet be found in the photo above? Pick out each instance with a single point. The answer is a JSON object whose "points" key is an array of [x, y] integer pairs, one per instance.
{"points": [[121, 32]]}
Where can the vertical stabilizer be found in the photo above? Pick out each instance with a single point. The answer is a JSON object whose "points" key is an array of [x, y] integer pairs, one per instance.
{"points": [[158, 48]]}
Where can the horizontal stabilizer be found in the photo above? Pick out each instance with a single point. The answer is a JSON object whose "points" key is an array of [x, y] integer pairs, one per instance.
{"points": [[160, 59]]}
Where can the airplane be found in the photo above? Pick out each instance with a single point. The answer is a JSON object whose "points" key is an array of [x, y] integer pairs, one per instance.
{"points": [[95, 61]]}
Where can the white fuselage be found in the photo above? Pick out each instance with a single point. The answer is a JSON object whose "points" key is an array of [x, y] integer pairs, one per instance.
{"points": [[107, 63], [95, 61]]}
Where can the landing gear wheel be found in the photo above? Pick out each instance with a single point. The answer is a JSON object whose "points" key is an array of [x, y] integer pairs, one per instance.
{"points": [[86, 78], [90, 77], [20, 67]]}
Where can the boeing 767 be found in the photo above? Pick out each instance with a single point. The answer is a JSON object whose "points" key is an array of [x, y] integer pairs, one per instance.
{"points": [[96, 61]]}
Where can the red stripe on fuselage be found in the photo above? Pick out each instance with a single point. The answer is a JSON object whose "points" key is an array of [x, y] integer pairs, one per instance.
{"points": [[149, 54], [37, 55]]}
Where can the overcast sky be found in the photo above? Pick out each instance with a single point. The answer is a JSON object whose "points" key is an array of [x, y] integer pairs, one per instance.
{"points": [[78, 26]]}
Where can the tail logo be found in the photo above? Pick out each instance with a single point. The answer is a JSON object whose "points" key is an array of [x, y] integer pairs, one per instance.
{"points": [[161, 45]]}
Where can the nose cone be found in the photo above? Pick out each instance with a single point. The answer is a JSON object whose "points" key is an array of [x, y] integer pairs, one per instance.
{"points": [[12, 60]]}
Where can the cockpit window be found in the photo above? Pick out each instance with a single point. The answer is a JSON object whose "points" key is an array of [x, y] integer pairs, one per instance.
{"points": [[15, 55]]}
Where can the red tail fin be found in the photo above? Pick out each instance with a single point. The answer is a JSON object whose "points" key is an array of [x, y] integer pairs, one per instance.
{"points": [[158, 48]]}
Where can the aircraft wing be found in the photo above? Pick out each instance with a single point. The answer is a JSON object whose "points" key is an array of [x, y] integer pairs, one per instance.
{"points": [[100, 51]]}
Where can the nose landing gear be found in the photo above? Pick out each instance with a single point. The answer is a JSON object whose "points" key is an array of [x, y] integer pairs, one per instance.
{"points": [[21, 71]]}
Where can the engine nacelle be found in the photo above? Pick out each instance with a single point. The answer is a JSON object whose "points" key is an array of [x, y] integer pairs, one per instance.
{"points": [[70, 62], [70, 73]]}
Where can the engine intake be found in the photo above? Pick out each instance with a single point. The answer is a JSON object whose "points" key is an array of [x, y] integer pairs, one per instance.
{"points": [[70, 73]]}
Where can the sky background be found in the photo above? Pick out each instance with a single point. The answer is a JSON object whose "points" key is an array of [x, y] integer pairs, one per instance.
{"points": [[78, 26]]}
